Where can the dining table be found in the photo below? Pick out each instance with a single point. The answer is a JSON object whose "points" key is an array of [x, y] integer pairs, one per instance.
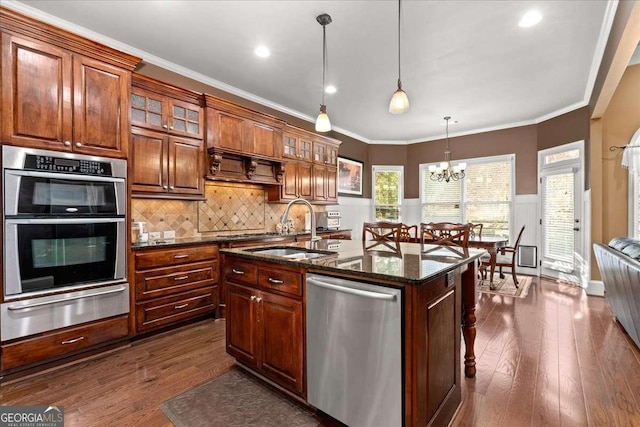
{"points": [[491, 244]]}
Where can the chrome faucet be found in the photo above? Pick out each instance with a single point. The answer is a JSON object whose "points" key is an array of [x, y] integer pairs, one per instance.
{"points": [[314, 238]]}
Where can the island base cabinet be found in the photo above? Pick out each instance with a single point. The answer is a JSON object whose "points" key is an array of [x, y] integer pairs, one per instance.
{"points": [[264, 331], [437, 392]]}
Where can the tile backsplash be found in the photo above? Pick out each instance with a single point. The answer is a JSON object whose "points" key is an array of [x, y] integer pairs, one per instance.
{"points": [[229, 208]]}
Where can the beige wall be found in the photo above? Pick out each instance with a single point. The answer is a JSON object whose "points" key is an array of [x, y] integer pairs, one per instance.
{"points": [[609, 186]]}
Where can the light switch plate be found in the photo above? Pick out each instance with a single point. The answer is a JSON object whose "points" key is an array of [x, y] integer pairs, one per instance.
{"points": [[155, 235], [169, 234]]}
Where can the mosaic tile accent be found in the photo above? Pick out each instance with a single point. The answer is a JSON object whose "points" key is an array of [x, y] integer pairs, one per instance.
{"points": [[230, 208]]}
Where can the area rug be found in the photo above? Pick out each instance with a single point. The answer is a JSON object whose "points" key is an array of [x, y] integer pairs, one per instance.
{"points": [[506, 286], [235, 399]]}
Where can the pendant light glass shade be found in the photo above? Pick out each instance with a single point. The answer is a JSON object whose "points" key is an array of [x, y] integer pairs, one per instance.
{"points": [[322, 122], [399, 101]]}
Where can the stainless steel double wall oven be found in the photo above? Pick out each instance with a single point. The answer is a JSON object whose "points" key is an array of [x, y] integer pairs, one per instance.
{"points": [[64, 249]]}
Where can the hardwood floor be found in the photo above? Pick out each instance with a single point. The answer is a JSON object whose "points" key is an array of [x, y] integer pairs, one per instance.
{"points": [[554, 358]]}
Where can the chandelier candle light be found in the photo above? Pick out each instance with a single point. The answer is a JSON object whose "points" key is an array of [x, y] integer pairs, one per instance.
{"points": [[399, 101], [445, 172], [322, 122]]}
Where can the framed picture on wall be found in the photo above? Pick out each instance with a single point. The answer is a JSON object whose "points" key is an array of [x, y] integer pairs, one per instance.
{"points": [[349, 176]]}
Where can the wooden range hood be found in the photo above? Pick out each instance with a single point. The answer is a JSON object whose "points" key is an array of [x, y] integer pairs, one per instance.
{"points": [[227, 166]]}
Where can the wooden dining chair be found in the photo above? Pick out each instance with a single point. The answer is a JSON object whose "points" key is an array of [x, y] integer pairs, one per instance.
{"points": [[475, 230], [382, 231], [506, 257], [408, 233], [445, 233]]}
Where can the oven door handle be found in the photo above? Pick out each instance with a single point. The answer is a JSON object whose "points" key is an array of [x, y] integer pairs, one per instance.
{"points": [[55, 301], [63, 221], [62, 175]]}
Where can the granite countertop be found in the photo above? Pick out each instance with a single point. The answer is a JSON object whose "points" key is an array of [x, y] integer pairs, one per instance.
{"points": [[223, 238], [409, 263]]}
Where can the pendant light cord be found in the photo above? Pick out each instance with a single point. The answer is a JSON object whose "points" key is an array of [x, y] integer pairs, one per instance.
{"points": [[447, 130], [324, 56], [399, 16]]}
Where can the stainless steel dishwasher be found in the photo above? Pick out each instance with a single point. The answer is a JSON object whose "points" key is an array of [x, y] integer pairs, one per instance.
{"points": [[354, 351]]}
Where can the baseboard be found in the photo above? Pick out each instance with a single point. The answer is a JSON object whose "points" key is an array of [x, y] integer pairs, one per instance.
{"points": [[595, 288]]}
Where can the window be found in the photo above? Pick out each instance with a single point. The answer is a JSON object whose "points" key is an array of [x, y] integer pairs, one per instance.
{"points": [[387, 192], [484, 196]]}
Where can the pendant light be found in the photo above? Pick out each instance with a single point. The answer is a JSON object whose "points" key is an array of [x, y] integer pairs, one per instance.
{"points": [[322, 122], [399, 101]]}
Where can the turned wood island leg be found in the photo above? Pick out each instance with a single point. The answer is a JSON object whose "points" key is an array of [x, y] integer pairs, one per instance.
{"points": [[469, 294]]}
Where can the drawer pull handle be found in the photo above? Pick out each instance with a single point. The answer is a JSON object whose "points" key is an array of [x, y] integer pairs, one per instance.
{"points": [[180, 256], [275, 281], [73, 340], [181, 306], [234, 271], [181, 278]]}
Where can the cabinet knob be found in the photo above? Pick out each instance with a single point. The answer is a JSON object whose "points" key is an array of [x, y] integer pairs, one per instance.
{"points": [[78, 144], [164, 187], [253, 298], [172, 187], [67, 143], [171, 127], [258, 299], [165, 127]]}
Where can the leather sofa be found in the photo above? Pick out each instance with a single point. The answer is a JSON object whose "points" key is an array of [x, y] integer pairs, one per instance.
{"points": [[619, 264]]}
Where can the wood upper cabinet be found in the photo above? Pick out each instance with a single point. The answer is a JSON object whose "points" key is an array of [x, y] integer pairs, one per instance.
{"points": [[56, 99], [324, 184], [325, 152], [239, 130], [165, 165], [167, 154], [153, 110], [297, 146]]}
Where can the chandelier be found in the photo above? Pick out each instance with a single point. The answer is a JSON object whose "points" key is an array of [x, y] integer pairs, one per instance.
{"points": [[445, 172]]}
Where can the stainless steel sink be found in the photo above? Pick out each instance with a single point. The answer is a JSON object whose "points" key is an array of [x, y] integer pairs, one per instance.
{"points": [[291, 253]]}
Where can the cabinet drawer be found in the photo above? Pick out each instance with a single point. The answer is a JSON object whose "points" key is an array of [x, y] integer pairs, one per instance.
{"points": [[167, 257], [280, 280], [160, 282], [241, 272], [63, 342], [163, 311]]}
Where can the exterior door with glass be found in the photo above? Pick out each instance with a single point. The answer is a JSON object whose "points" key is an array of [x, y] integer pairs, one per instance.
{"points": [[561, 188]]}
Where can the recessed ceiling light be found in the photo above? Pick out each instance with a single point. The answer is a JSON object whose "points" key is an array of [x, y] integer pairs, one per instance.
{"points": [[330, 89], [530, 19], [262, 52]]}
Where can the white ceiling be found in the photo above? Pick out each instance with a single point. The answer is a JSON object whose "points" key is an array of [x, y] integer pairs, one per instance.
{"points": [[467, 59]]}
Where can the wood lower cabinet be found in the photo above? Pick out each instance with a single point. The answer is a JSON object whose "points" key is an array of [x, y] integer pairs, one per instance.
{"points": [[174, 284], [56, 98], [265, 320], [64, 342]]}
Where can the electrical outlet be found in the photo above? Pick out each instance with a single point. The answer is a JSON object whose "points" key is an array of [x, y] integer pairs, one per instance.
{"points": [[155, 235], [169, 234]]}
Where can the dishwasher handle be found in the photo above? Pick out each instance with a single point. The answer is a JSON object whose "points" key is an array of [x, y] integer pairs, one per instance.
{"points": [[352, 291]]}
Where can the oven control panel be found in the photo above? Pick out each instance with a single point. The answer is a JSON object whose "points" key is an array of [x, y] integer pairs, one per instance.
{"points": [[60, 164]]}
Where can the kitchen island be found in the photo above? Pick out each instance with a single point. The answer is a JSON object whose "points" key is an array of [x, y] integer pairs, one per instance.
{"points": [[266, 322]]}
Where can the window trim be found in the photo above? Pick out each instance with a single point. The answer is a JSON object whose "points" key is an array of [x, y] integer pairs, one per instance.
{"points": [[387, 168], [424, 168]]}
